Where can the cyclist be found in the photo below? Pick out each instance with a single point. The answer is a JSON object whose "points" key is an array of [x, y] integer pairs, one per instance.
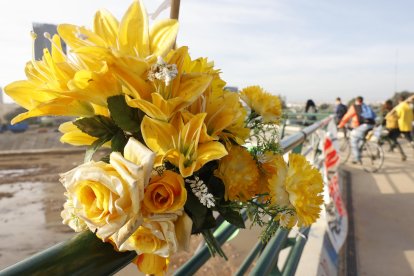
{"points": [[363, 120]]}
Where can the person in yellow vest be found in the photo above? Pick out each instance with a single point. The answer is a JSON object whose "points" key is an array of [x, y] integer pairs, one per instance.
{"points": [[405, 118], [391, 124]]}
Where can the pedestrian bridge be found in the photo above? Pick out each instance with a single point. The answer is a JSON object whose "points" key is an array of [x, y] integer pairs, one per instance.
{"points": [[380, 240]]}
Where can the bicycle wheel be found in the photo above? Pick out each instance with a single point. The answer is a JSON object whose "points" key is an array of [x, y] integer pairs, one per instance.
{"points": [[344, 149], [372, 156]]}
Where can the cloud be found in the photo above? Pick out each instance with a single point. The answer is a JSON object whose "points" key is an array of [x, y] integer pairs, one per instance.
{"points": [[296, 48]]}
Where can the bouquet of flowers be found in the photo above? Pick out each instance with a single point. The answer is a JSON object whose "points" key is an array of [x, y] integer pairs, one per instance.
{"points": [[182, 148]]}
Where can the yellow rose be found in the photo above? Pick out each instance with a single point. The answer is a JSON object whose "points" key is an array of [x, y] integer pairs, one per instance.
{"points": [[161, 234], [143, 240], [107, 197], [152, 264], [165, 193]]}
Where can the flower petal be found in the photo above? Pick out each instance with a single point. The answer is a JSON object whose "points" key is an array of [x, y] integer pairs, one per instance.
{"points": [[210, 151], [59, 106], [106, 26], [183, 227], [158, 136], [74, 136], [138, 153], [133, 31], [76, 36], [25, 94], [162, 36]]}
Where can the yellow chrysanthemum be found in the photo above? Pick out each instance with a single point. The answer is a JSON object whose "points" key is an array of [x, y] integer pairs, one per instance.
{"points": [[304, 185], [265, 104], [239, 173], [287, 219], [274, 170], [297, 186]]}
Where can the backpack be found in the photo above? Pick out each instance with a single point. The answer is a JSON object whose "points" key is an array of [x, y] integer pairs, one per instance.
{"points": [[365, 114]]}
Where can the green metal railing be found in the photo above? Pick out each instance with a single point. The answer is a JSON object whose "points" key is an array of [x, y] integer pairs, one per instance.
{"points": [[301, 119], [85, 254]]}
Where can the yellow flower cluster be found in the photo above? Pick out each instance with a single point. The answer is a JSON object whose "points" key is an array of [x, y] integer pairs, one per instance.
{"points": [[296, 186], [264, 104], [173, 129]]}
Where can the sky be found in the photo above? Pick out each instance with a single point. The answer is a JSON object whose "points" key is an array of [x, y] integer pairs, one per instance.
{"points": [[300, 49]]}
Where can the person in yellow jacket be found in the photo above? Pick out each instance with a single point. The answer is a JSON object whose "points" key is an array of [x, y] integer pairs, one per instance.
{"points": [[405, 118], [391, 124]]}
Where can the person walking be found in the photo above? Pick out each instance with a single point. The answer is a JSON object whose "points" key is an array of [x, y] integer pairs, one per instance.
{"points": [[405, 119], [340, 110], [310, 107], [391, 124], [362, 120]]}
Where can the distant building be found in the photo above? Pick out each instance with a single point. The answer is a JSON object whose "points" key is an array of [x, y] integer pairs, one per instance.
{"points": [[232, 88], [5, 107]]}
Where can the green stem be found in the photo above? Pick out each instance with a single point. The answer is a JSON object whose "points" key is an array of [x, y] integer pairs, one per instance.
{"points": [[212, 244]]}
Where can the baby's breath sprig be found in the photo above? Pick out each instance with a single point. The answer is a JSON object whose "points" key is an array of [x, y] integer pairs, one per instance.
{"points": [[264, 214], [264, 138], [200, 190]]}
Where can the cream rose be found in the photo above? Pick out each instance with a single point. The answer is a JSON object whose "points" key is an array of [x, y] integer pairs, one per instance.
{"points": [[107, 197], [161, 234]]}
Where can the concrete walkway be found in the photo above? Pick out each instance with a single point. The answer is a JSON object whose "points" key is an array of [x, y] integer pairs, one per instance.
{"points": [[383, 206]]}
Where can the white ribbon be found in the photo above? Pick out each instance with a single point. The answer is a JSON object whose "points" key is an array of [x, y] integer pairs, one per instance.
{"points": [[164, 5]]}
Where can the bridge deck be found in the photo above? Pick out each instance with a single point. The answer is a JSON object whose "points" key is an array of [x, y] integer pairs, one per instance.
{"points": [[383, 206]]}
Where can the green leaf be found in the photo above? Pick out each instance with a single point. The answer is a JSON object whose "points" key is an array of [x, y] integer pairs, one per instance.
{"points": [[118, 142], [97, 126], [232, 216], [106, 158], [95, 146], [126, 117]]}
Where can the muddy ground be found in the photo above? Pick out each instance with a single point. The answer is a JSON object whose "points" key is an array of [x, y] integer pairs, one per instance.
{"points": [[31, 199]]}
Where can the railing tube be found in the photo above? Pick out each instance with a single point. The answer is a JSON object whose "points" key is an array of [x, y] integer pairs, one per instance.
{"points": [[268, 259], [295, 253], [84, 254]]}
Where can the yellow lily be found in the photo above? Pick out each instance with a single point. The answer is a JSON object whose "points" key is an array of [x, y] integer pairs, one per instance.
{"points": [[170, 98], [225, 114], [181, 146], [57, 86], [74, 136], [124, 46], [129, 37], [63, 106]]}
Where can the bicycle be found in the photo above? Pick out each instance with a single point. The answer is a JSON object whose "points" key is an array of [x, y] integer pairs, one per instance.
{"points": [[372, 154]]}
